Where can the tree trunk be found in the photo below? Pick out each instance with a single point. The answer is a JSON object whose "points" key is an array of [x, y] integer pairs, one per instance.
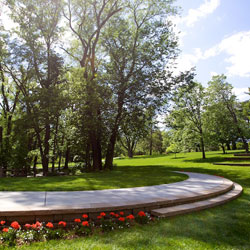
{"points": [[60, 154], [113, 138], [2, 172], [67, 154], [203, 147], [110, 150], [87, 156], [130, 152], [34, 166], [60, 160], [223, 149], [96, 152], [54, 146], [151, 141], [45, 157], [228, 146]]}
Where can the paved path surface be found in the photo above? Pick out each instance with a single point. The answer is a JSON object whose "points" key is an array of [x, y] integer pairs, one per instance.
{"points": [[196, 184]]}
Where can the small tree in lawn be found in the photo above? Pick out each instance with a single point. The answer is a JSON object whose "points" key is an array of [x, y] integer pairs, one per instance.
{"points": [[174, 148]]}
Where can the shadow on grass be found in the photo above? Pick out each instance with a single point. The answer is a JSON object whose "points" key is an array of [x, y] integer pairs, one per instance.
{"points": [[207, 160], [175, 158], [121, 177], [148, 156]]}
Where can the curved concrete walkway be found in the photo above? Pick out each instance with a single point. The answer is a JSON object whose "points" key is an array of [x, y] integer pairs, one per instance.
{"points": [[198, 185]]}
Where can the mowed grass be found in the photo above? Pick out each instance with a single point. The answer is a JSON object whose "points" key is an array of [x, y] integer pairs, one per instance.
{"points": [[121, 177], [223, 227]]}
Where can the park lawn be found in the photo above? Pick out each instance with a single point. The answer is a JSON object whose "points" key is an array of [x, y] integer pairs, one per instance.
{"points": [[121, 177], [223, 227]]}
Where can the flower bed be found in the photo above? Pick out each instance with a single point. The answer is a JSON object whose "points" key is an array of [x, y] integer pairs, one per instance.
{"points": [[15, 234]]}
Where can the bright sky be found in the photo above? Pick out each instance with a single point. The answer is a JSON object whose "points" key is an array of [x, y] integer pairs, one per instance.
{"points": [[215, 37]]}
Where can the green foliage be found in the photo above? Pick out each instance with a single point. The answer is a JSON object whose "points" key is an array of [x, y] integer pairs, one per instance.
{"points": [[174, 148], [76, 77], [9, 238], [52, 234], [186, 113]]}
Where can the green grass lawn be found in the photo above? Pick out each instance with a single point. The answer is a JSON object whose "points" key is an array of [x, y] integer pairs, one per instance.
{"points": [[223, 227], [121, 177]]}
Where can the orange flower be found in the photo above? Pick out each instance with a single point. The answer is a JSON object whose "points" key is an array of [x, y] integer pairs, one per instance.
{"points": [[102, 214], [121, 213], [130, 217], [49, 225], [38, 224], [15, 225], [121, 219], [141, 214], [27, 226], [85, 223], [77, 220], [85, 216], [2, 222], [5, 230], [62, 223]]}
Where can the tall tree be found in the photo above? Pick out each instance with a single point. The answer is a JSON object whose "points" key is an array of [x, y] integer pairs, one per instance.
{"points": [[187, 111], [140, 44], [8, 105], [37, 31], [220, 92], [219, 122], [86, 21]]}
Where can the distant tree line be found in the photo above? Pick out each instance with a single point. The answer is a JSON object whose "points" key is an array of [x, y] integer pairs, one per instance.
{"points": [[198, 119], [209, 118]]}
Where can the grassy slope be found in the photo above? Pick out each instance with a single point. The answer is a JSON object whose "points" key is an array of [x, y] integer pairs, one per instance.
{"points": [[224, 227]]}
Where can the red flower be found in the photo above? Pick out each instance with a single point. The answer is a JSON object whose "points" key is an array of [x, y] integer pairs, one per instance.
{"points": [[99, 217], [85, 216], [15, 225], [49, 225], [27, 226], [38, 224], [117, 215], [62, 223], [121, 219], [130, 217], [112, 214], [2, 222], [102, 214], [85, 223], [5, 230], [121, 213], [77, 220], [141, 214]]}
